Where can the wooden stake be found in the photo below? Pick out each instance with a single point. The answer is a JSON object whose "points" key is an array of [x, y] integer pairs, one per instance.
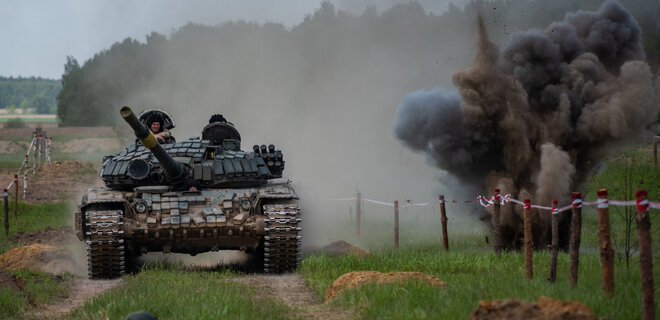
{"points": [[655, 153], [396, 223], [358, 211], [574, 244], [443, 219], [605, 240], [6, 197], [527, 227], [645, 254], [554, 248], [15, 197], [497, 239]]}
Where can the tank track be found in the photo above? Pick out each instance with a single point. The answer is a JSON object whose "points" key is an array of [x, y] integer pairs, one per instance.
{"points": [[105, 246], [282, 240]]}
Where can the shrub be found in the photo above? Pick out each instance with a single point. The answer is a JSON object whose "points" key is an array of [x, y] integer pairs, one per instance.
{"points": [[15, 123]]}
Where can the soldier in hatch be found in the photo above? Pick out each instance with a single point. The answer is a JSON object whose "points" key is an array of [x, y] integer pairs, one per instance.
{"points": [[156, 124]]}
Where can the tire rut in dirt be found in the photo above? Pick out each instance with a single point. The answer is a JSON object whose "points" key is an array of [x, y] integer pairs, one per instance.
{"points": [[282, 240], [105, 246]]}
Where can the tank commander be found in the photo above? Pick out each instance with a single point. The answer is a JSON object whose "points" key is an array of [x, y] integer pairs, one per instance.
{"points": [[155, 124]]}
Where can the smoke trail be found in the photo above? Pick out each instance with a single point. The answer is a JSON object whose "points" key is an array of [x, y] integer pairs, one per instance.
{"points": [[531, 114]]}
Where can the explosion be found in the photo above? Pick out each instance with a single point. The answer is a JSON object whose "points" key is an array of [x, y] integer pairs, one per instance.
{"points": [[530, 119]]}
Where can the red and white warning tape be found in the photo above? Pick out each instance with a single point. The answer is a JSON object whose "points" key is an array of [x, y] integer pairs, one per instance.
{"points": [[487, 202]]}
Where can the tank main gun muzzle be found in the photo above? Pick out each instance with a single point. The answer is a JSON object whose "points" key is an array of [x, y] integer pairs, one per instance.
{"points": [[173, 169]]}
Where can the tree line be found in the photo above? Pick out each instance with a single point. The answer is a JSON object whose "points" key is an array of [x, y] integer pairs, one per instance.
{"points": [[29, 93], [306, 67]]}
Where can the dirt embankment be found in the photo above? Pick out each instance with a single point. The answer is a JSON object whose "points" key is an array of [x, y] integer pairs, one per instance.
{"points": [[86, 145], [54, 181], [89, 132], [543, 309], [355, 279]]}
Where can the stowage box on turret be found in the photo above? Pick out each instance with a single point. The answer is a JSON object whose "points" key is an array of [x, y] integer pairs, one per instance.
{"points": [[202, 194]]}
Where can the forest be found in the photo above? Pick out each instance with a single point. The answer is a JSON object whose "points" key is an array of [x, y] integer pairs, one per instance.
{"points": [[303, 67], [34, 93]]}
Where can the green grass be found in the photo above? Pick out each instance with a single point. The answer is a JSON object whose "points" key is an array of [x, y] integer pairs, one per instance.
{"points": [[31, 119], [39, 288], [35, 217], [631, 170], [471, 277], [173, 293]]}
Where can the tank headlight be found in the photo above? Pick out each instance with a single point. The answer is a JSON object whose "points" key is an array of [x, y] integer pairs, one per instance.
{"points": [[141, 207], [245, 204]]}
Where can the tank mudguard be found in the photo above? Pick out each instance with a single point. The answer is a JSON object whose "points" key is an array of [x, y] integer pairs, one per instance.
{"points": [[98, 198], [277, 191]]}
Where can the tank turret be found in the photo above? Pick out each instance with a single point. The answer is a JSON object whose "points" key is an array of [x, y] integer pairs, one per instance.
{"points": [[139, 167]]}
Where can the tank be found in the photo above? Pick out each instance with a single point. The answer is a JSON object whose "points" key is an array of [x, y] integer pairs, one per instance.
{"points": [[202, 194]]}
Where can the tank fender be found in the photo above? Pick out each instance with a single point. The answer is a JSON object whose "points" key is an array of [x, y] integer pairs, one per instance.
{"points": [[278, 191], [99, 197]]}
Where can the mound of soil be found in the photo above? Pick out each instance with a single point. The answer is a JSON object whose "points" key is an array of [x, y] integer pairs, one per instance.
{"points": [[339, 248], [354, 279], [36, 257], [544, 309]]}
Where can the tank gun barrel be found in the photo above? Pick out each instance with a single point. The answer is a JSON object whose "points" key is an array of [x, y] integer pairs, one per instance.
{"points": [[172, 168]]}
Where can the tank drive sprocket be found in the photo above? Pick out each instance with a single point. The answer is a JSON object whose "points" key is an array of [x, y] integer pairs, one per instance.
{"points": [[282, 242], [105, 246]]}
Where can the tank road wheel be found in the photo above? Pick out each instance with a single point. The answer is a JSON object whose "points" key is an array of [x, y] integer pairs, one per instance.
{"points": [[282, 239], [105, 246]]}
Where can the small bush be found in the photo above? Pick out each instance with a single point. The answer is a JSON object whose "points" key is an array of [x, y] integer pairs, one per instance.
{"points": [[15, 123]]}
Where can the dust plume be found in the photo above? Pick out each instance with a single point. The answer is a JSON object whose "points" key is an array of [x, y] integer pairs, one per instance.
{"points": [[532, 115]]}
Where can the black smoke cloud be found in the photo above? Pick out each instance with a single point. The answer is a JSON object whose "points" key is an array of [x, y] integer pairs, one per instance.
{"points": [[532, 116]]}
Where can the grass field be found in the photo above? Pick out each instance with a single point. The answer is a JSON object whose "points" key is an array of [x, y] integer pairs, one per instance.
{"points": [[471, 276]]}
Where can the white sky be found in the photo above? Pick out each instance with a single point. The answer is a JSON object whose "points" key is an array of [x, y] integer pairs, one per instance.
{"points": [[37, 35]]}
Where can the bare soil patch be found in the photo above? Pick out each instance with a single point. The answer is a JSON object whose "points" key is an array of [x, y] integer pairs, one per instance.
{"points": [[90, 132], [55, 181], [338, 248], [46, 236], [88, 145], [544, 309], [355, 279], [291, 289], [11, 281]]}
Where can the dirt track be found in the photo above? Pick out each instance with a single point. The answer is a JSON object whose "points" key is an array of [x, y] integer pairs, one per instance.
{"points": [[291, 289]]}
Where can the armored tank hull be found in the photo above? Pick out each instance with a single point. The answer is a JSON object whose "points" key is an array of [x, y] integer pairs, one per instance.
{"points": [[148, 205]]}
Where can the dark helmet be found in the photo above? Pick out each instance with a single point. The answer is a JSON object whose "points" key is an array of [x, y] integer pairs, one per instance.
{"points": [[190, 182], [155, 118], [217, 118], [140, 315]]}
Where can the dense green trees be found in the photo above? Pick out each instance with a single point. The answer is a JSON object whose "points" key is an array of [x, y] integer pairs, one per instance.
{"points": [[331, 61], [36, 93]]}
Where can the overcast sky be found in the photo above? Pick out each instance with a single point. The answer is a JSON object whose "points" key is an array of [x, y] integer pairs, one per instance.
{"points": [[37, 35]]}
